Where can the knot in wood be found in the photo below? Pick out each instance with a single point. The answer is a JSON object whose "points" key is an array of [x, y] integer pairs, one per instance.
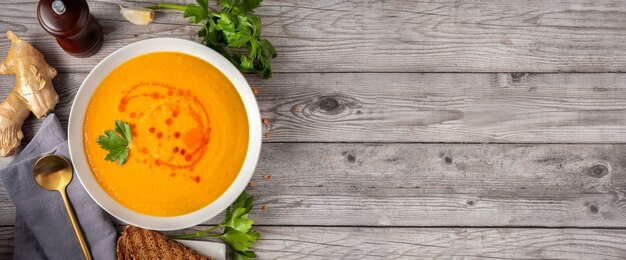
{"points": [[514, 79], [518, 77], [329, 104], [329, 107], [598, 171], [351, 158]]}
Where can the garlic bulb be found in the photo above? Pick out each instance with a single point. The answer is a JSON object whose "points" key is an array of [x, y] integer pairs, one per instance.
{"points": [[137, 15]]}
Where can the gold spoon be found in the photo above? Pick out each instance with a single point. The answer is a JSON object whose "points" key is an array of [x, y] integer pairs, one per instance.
{"points": [[53, 172]]}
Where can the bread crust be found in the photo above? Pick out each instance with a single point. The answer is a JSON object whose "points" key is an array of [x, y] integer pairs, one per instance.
{"points": [[139, 243]]}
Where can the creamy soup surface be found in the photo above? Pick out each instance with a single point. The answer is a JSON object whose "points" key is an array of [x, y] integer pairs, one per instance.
{"points": [[189, 133]]}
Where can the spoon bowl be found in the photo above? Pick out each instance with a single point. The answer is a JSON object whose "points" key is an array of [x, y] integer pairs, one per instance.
{"points": [[53, 172]]}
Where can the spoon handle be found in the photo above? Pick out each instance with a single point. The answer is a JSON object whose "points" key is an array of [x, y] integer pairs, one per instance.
{"points": [[79, 234]]}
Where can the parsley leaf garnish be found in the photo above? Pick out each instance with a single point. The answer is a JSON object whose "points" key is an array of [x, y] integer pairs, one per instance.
{"points": [[238, 233], [230, 31], [116, 142]]}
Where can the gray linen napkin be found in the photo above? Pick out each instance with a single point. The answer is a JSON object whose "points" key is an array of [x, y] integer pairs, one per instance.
{"points": [[42, 227]]}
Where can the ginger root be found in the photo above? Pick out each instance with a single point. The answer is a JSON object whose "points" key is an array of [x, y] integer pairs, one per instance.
{"points": [[33, 91]]}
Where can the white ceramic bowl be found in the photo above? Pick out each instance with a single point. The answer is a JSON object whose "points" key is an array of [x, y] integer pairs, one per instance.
{"points": [[77, 118]]}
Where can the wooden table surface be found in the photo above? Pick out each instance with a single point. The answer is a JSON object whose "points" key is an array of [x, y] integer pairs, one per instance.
{"points": [[416, 129]]}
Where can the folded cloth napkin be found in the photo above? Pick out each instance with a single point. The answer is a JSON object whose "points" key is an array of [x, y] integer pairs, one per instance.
{"points": [[42, 227]]}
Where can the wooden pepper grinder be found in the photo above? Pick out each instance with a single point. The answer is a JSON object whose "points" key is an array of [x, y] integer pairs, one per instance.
{"points": [[70, 22]]}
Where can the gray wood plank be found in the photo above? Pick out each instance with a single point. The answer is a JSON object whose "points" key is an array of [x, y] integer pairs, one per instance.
{"points": [[442, 185], [424, 243], [432, 107], [510, 107], [388, 36], [6, 242], [435, 185], [446, 243]]}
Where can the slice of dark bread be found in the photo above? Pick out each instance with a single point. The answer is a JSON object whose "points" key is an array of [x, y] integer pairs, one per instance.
{"points": [[139, 243]]}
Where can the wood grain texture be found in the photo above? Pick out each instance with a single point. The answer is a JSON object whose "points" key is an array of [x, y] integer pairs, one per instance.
{"points": [[445, 243], [406, 107], [387, 36], [432, 107], [441, 185], [436, 185], [351, 72], [424, 243], [6, 242]]}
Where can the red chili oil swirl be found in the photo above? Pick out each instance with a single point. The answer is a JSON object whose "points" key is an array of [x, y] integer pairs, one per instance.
{"points": [[190, 144]]}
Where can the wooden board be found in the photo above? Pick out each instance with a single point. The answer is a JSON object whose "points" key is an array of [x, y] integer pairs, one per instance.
{"points": [[424, 243], [435, 185], [432, 107], [388, 36], [444, 243], [436, 107], [6, 242], [371, 110], [441, 185]]}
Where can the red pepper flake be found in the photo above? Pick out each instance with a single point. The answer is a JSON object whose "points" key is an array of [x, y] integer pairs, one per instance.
{"points": [[175, 113], [251, 184], [268, 177], [133, 115], [297, 108], [124, 101], [169, 93], [266, 121], [158, 162], [255, 91], [268, 135], [176, 134], [175, 150], [168, 121], [121, 108], [264, 207], [188, 157], [155, 95], [182, 151], [151, 130], [196, 178], [132, 126], [159, 135], [173, 174]]}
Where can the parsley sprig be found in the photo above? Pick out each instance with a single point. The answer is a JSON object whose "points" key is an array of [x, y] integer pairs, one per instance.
{"points": [[238, 233], [116, 142], [230, 31]]}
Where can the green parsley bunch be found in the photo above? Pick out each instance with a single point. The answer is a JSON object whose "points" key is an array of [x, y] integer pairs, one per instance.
{"points": [[238, 233], [233, 32]]}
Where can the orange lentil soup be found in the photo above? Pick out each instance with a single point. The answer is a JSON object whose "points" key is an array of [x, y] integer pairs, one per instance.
{"points": [[189, 133]]}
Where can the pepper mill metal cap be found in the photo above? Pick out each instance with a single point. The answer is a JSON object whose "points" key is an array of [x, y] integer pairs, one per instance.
{"points": [[58, 7]]}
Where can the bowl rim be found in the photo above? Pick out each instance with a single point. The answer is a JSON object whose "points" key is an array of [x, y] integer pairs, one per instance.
{"points": [[77, 118]]}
